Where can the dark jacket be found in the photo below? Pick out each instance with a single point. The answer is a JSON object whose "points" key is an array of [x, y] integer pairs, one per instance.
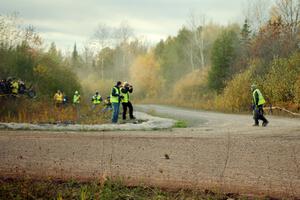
{"points": [[127, 89], [256, 98]]}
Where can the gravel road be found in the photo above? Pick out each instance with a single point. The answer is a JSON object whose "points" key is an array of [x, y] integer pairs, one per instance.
{"points": [[218, 152]]}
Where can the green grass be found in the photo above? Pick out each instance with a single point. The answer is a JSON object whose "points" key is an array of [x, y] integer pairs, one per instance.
{"points": [[111, 190], [180, 124]]}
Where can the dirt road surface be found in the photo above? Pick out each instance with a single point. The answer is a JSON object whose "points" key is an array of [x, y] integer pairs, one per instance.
{"points": [[218, 152]]}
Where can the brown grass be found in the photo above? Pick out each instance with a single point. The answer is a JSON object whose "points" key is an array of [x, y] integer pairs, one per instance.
{"points": [[22, 110]]}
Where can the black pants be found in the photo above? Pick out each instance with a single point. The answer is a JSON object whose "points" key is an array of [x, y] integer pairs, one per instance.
{"points": [[259, 115], [125, 106]]}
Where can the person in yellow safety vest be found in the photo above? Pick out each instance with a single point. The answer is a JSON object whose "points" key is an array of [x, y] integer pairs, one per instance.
{"points": [[76, 98], [96, 100], [14, 87], [115, 99], [125, 90], [258, 104], [58, 98], [76, 102]]}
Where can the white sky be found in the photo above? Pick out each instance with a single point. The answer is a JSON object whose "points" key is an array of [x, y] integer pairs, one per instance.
{"points": [[68, 21]]}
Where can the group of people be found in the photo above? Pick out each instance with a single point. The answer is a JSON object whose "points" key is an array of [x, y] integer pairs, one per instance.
{"points": [[12, 86], [120, 94]]}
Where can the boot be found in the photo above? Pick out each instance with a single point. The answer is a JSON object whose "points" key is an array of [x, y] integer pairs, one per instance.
{"points": [[264, 124]]}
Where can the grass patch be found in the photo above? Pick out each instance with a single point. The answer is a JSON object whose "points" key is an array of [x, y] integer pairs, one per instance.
{"points": [[22, 110], [180, 124], [110, 190]]}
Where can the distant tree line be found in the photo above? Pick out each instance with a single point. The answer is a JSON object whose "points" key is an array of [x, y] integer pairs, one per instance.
{"points": [[205, 65], [22, 57]]}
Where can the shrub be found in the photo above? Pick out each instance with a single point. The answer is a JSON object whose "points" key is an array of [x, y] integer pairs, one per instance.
{"points": [[236, 96], [297, 91], [192, 87], [279, 83]]}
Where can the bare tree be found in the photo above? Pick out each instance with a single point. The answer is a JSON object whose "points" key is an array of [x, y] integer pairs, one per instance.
{"points": [[123, 34], [196, 25], [103, 35], [289, 11], [10, 32], [257, 13], [118, 37]]}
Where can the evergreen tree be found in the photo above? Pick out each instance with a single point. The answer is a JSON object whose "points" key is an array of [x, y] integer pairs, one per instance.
{"points": [[246, 32], [76, 61], [223, 55], [75, 53], [55, 53]]}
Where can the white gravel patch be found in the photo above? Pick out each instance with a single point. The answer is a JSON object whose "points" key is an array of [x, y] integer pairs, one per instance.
{"points": [[151, 123]]}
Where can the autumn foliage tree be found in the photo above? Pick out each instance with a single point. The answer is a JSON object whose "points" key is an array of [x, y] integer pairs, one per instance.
{"points": [[146, 76]]}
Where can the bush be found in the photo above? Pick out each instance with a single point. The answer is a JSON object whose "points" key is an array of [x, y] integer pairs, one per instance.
{"points": [[92, 84], [145, 75], [297, 91], [192, 87], [51, 75], [236, 96], [279, 83]]}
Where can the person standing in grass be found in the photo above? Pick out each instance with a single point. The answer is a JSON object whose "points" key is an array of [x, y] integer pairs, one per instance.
{"points": [[115, 99], [76, 103], [15, 87], [107, 105], [96, 100], [58, 98]]}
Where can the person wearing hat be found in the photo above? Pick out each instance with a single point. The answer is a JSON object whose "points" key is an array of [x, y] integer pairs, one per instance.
{"points": [[107, 105], [15, 87], [258, 104], [125, 90], [115, 99], [96, 100], [58, 98], [76, 98]]}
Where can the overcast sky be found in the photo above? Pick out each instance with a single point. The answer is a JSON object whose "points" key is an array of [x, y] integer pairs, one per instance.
{"points": [[68, 21]]}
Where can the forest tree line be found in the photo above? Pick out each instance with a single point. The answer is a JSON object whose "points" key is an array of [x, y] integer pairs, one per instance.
{"points": [[205, 65]]}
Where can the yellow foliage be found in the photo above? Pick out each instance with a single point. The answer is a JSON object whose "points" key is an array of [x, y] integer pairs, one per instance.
{"points": [[192, 86], [92, 84], [279, 82], [145, 76], [297, 91], [40, 69], [237, 95]]}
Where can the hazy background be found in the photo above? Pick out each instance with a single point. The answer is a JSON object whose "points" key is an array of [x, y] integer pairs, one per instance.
{"points": [[199, 54], [66, 22]]}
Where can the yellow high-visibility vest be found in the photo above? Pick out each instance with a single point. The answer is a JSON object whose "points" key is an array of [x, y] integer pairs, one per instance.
{"points": [[58, 98], [126, 97], [15, 87], [261, 99], [96, 99], [76, 98], [114, 99]]}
